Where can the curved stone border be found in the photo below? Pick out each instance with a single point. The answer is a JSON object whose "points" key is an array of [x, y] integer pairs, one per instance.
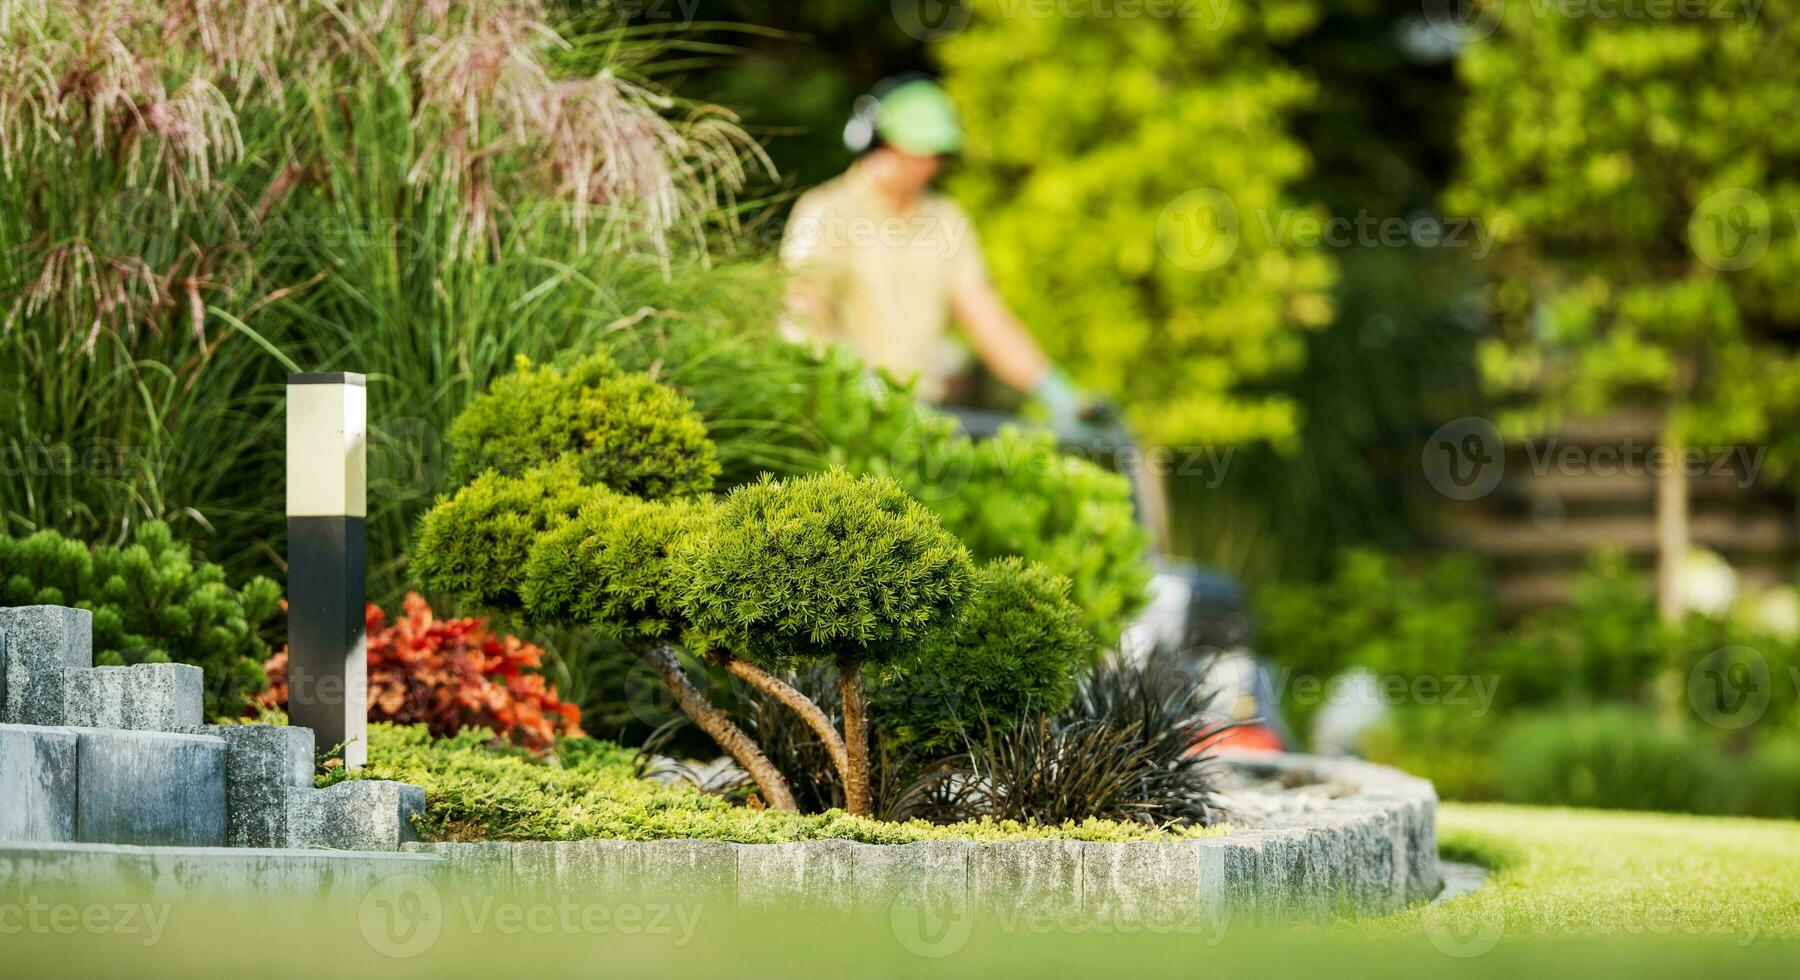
{"points": [[1370, 850]]}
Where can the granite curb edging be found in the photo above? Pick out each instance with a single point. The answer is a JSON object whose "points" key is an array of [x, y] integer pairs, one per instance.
{"points": [[1369, 850]]}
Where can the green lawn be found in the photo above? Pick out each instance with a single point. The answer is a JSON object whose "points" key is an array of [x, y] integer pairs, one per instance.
{"points": [[1588, 872]]}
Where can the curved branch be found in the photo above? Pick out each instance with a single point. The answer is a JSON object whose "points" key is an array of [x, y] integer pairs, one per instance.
{"points": [[663, 659], [808, 709]]}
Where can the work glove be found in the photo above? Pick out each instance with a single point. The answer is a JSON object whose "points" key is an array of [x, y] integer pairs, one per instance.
{"points": [[1072, 412]]}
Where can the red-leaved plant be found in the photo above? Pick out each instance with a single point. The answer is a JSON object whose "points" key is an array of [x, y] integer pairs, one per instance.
{"points": [[451, 674]]}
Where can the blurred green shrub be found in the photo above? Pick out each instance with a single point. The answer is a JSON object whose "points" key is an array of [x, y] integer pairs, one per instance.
{"points": [[152, 603], [1606, 756], [1438, 618], [1613, 287], [1765, 782], [1453, 746], [1376, 614]]}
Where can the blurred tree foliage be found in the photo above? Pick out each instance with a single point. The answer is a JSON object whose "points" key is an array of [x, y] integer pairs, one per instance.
{"points": [[1131, 175], [1639, 176], [1377, 122]]}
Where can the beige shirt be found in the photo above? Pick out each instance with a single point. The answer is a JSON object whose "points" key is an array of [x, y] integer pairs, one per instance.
{"points": [[881, 281]]}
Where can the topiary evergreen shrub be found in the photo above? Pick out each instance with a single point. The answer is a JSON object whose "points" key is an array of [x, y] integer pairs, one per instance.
{"points": [[622, 431], [153, 602], [828, 568], [554, 527], [474, 545], [1013, 652], [610, 565]]}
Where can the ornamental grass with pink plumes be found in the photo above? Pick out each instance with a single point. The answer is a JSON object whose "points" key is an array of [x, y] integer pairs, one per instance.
{"points": [[204, 195]]}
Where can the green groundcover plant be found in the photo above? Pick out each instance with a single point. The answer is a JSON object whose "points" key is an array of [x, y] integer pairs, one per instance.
{"points": [[480, 789], [152, 603]]}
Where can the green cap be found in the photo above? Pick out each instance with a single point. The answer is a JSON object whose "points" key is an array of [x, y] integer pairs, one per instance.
{"points": [[918, 118]]}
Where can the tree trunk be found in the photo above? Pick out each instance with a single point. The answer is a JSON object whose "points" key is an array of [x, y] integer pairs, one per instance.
{"points": [[857, 798], [662, 658], [1671, 528], [808, 710]]}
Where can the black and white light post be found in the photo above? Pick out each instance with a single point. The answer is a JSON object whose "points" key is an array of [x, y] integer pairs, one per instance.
{"points": [[327, 506]]}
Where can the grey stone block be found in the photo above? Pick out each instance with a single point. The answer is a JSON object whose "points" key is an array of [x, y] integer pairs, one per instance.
{"points": [[1240, 862], [42, 644], [1039, 878], [264, 766], [932, 875], [154, 788], [475, 867], [598, 867], [693, 871], [37, 783], [142, 697], [641, 871], [812, 876], [1420, 843], [1153, 886], [110, 872], [358, 815]]}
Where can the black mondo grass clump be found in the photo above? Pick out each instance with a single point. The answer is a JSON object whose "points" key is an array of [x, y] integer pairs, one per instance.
{"points": [[1127, 747]]}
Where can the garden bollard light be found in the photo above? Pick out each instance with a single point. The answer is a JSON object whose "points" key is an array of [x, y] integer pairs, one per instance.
{"points": [[327, 507]]}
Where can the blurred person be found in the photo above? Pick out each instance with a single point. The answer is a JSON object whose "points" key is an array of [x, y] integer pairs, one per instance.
{"points": [[881, 263]]}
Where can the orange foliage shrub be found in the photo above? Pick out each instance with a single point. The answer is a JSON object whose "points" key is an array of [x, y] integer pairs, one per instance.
{"points": [[451, 674]]}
